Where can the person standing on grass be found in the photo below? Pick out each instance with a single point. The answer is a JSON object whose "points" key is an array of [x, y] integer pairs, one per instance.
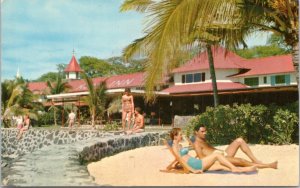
{"points": [[71, 119], [127, 108]]}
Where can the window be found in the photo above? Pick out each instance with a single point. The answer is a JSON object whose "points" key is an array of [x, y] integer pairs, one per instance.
{"points": [[189, 78], [251, 81], [265, 80], [197, 77], [280, 79]]}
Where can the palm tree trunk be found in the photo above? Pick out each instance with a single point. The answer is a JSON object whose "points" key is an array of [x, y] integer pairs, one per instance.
{"points": [[213, 74], [54, 116], [93, 119], [295, 56]]}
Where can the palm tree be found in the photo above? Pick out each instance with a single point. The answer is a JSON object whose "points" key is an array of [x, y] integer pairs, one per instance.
{"points": [[17, 99], [96, 99], [171, 24], [177, 26], [281, 17], [57, 87]]}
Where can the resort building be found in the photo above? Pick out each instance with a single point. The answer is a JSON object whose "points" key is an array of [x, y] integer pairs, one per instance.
{"points": [[188, 89]]}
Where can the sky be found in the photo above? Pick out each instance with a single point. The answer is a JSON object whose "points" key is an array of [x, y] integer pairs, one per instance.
{"points": [[36, 35]]}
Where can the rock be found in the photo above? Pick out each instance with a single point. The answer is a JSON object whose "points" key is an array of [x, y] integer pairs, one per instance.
{"points": [[181, 121]]}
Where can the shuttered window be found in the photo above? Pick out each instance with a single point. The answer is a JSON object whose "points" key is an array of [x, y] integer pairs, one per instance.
{"points": [[252, 81]]}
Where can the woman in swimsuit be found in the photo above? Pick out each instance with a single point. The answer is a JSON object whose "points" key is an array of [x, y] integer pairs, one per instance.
{"points": [[200, 165], [26, 126], [127, 108], [19, 122]]}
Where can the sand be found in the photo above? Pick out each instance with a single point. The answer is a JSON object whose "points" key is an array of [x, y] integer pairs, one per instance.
{"points": [[140, 167]]}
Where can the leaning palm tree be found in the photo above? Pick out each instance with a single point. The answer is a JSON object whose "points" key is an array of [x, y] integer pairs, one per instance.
{"points": [[115, 106], [175, 26], [96, 98], [17, 99], [57, 87]]}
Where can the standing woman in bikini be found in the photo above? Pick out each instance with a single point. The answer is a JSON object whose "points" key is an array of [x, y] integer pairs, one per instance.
{"points": [[127, 108]]}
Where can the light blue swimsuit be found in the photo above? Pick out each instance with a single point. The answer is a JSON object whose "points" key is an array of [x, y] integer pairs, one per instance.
{"points": [[192, 162]]}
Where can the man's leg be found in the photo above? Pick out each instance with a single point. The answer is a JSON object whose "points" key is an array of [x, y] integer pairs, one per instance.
{"points": [[240, 143], [242, 162]]}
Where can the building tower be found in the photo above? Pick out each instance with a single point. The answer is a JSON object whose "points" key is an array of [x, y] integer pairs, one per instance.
{"points": [[73, 69], [18, 75]]}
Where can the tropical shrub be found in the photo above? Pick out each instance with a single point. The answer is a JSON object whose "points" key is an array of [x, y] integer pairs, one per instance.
{"points": [[45, 118], [283, 128], [113, 126], [256, 124], [223, 123]]}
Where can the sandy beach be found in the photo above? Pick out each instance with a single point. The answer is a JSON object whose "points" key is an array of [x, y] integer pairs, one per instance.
{"points": [[140, 167]]}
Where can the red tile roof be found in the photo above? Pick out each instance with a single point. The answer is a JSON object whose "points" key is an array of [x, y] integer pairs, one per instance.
{"points": [[73, 66], [126, 80], [223, 59], [268, 65], [201, 87], [37, 87], [113, 82], [80, 85]]}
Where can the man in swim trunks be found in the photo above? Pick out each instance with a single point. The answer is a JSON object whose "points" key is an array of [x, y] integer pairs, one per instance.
{"points": [[204, 149], [138, 122]]}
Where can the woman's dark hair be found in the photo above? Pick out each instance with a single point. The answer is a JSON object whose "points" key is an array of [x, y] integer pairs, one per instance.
{"points": [[174, 132], [127, 90]]}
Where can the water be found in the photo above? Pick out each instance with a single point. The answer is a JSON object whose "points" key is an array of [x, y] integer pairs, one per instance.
{"points": [[55, 165]]}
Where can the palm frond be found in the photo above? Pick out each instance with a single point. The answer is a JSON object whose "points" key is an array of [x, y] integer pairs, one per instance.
{"points": [[137, 5], [137, 47]]}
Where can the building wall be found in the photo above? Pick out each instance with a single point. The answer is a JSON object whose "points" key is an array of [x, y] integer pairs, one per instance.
{"points": [[72, 75], [268, 83], [221, 75]]}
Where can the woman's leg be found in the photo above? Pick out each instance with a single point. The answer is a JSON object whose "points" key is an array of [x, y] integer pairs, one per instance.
{"points": [[242, 162], [240, 143], [208, 161], [123, 119], [129, 116], [20, 134]]}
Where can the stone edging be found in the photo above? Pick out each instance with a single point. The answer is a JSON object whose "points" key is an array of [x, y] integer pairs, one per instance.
{"points": [[110, 146]]}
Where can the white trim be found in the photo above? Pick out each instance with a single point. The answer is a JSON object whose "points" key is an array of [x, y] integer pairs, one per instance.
{"points": [[109, 91], [62, 95]]}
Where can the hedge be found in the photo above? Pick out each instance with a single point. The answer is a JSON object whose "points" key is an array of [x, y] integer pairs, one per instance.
{"points": [[256, 124]]}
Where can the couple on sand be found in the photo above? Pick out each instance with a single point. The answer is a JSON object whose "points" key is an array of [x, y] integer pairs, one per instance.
{"points": [[208, 155]]}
